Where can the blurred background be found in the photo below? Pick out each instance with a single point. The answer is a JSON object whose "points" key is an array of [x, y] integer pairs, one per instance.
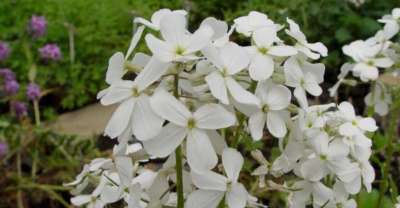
{"points": [[69, 60]]}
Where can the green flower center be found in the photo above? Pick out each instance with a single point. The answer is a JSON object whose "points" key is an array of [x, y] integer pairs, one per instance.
{"points": [[263, 50], [179, 50], [191, 123], [135, 92], [265, 108]]}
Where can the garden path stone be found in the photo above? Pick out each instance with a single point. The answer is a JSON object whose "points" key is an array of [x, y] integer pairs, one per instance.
{"points": [[87, 121]]}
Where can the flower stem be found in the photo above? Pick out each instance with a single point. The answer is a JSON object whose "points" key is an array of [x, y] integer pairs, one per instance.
{"points": [[37, 112], [178, 157]]}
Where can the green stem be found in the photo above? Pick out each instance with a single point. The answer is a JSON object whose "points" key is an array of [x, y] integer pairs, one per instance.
{"points": [[388, 155], [37, 112], [222, 203], [178, 157], [20, 203]]}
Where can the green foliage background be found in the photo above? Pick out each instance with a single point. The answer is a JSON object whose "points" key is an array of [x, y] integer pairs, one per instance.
{"points": [[105, 26]]}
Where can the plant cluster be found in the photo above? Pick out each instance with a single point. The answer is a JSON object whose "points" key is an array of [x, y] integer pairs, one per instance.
{"points": [[199, 93]]}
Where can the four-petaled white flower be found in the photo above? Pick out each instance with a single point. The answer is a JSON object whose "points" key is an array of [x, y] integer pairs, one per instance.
{"points": [[273, 100], [229, 60], [263, 52], [178, 44], [183, 124], [303, 79], [247, 25], [213, 186]]}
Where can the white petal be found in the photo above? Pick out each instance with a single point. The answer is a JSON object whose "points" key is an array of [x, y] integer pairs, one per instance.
{"points": [[115, 69], [257, 124], [217, 141], [170, 137], [277, 97], [318, 47], [204, 199], [152, 72], [213, 116], [233, 162], [301, 97], [117, 92], [209, 180], [348, 129], [145, 123], [293, 72], [347, 110], [81, 200], [135, 40], [311, 85], [321, 194], [265, 37], [276, 124], [367, 124], [261, 67], [383, 62], [282, 51], [124, 168], [237, 196], [199, 39], [313, 169], [173, 27], [239, 93], [200, 153], [169, 108], [234, 58], [160, 49], [120, 119], [216, 83]]}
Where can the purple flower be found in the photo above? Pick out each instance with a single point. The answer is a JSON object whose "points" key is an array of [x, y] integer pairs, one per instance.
{"points": [[3, 148], [37, 26], [7, 74], [50, 52], [4, 50], [11, 87], [19, 108], [33, 91]]}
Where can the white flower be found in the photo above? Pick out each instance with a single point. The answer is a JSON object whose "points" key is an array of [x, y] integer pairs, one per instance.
{"points": [[341, 197], [157, 17], [303, 79], [213, 186], [379, 98], [354, 124], [327, 157], [262, 62], [229, 60], [319, 192], [274, 99], [134, 111], [201, 155], [311, 50], [178, 44], [367, 62], [246, 25], [392, 23], [355, 173]]}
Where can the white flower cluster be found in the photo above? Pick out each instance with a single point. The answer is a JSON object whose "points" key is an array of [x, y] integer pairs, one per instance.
{"points": [[377, 52], [190, 97]]}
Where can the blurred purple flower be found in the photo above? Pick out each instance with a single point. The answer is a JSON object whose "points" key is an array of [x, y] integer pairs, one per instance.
{"points": [[3, 148], [19, 108], [33, 91], [11, 87], [37, 26], [4, 50], [50, 52], [7, 74]]}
